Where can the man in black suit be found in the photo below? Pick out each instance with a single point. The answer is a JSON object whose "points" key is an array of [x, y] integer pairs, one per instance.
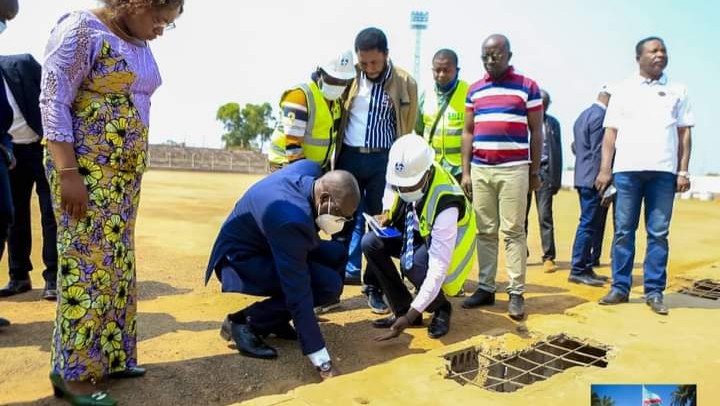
{"points": [[8, 10], [551, 174], [21, 80]]}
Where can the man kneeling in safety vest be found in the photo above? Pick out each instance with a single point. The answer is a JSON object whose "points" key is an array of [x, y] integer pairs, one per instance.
{"points": [[436, 247]]}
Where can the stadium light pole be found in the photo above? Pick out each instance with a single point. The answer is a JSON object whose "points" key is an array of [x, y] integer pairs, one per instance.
{"points": [[418, 23]]}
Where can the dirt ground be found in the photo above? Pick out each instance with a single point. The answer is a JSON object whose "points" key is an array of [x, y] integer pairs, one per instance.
{"points": [[189, 364]]}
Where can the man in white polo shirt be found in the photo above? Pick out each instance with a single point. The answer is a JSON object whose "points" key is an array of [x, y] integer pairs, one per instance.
{"points": [[647, 131]]}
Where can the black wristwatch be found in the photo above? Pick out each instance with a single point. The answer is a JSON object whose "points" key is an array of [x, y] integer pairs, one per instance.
{"points": [[325, 367]]}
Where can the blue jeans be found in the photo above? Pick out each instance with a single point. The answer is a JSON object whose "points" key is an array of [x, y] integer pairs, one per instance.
{"points": [[354, 264], [657, 191], [369, 171], [589, 231]]}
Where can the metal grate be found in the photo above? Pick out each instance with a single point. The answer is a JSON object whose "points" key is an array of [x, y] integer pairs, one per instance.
{"points": [[508, 373], [706, 289]]}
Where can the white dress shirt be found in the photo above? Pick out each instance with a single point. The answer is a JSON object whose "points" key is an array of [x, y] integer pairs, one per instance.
{"points": [[646, 114], [19, 130]]}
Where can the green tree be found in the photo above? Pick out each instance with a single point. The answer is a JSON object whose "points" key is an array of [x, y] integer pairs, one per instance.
{"points": [[243, 126], [596, 400], [684, 395]]}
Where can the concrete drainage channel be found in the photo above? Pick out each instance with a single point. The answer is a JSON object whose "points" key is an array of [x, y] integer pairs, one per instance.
{"points": [[706, 289], [500, 372]]}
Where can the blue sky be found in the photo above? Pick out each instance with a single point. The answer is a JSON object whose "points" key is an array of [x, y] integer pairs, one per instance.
{"points": [[631, 395], [249, 52]]}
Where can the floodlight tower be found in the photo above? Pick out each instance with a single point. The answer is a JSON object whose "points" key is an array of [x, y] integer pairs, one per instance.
{"points": [[418, 23]]}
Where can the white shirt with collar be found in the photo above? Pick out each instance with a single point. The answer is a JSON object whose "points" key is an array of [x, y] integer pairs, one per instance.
{"points": [[19, 130], [647, 114]]}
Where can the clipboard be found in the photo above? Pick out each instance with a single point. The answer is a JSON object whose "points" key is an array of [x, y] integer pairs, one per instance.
{"points": [[380, 231]]}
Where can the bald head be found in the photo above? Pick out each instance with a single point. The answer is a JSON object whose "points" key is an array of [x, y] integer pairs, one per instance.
{"points": [[604, 98], [339, 189], [497, 40], [496, 55], [8, 9]]}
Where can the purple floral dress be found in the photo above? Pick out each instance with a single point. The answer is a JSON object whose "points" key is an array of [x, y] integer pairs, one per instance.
{"points": [[96, 92]]}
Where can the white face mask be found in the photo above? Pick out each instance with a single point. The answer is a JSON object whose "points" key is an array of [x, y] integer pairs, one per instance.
{"points": [[3, 25], [329, 223], [413, 196], [331, 92]]}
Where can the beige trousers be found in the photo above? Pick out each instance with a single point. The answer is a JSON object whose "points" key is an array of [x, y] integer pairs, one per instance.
{"points": [[500, 200]]}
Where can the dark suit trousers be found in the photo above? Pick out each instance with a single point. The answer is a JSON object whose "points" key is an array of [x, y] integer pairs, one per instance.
{"points": [[369, 171], [30, 173], [544, 203], [6, 206], [379, 253], [326, 265]]}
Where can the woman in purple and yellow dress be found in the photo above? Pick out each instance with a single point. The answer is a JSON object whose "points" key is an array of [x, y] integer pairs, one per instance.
{"points": [[98, 77]]}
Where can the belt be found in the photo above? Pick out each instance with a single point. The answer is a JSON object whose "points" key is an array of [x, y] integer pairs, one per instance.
{"points": [[364, 150]]}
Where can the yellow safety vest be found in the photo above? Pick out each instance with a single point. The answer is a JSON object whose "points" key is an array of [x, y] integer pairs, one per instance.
{"points": [[447, 139], [320, 134], [464, 254]]}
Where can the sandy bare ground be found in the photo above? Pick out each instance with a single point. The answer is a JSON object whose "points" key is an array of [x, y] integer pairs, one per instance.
{"points": [[179, 318]]}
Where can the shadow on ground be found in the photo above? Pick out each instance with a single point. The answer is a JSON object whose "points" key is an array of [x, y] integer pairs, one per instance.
{"points": [[228, 378]]}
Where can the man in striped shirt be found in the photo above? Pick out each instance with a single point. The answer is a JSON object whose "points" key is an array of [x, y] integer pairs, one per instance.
{"points": [[501, 149], [381, 106]]}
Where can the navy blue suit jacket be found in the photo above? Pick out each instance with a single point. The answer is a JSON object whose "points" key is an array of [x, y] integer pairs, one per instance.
{"points": [[587, 145], [22, 74], [275, 218]]}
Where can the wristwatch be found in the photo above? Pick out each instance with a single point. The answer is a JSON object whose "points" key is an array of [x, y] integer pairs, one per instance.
{"points": [[325, 367], [684, 174]]}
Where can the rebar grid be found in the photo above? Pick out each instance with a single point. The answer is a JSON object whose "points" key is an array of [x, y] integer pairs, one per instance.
{"points": [[537, 370]]}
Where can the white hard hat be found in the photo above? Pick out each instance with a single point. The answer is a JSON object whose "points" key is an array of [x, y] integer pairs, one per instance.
{"points": [[341, 67], [606, 88], [410, 157]]}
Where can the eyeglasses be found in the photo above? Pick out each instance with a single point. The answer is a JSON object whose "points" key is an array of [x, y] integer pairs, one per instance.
{"points": [[160, 22], [336, 209], [493, 57]]}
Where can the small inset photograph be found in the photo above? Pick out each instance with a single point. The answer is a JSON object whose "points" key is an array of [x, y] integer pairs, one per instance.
{"points": [[643, 395]]}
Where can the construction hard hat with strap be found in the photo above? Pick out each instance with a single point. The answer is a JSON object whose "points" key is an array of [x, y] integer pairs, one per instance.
{"points": [[444, 186], [320, 129]]}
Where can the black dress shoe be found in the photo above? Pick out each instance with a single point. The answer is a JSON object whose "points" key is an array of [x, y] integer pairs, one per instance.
{"points": [[387, 322], [479, 298], [285, 332], [226, 329], [15, 287], [657, 305], [516, 307], [598, 276], [440, 323], [50, 290], [585, 279], [4, 322], [613, 298], [134, 372], [251, 344]]}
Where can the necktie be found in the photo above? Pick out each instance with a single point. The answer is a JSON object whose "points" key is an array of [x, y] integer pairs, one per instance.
{"points": [[407, 256]]}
